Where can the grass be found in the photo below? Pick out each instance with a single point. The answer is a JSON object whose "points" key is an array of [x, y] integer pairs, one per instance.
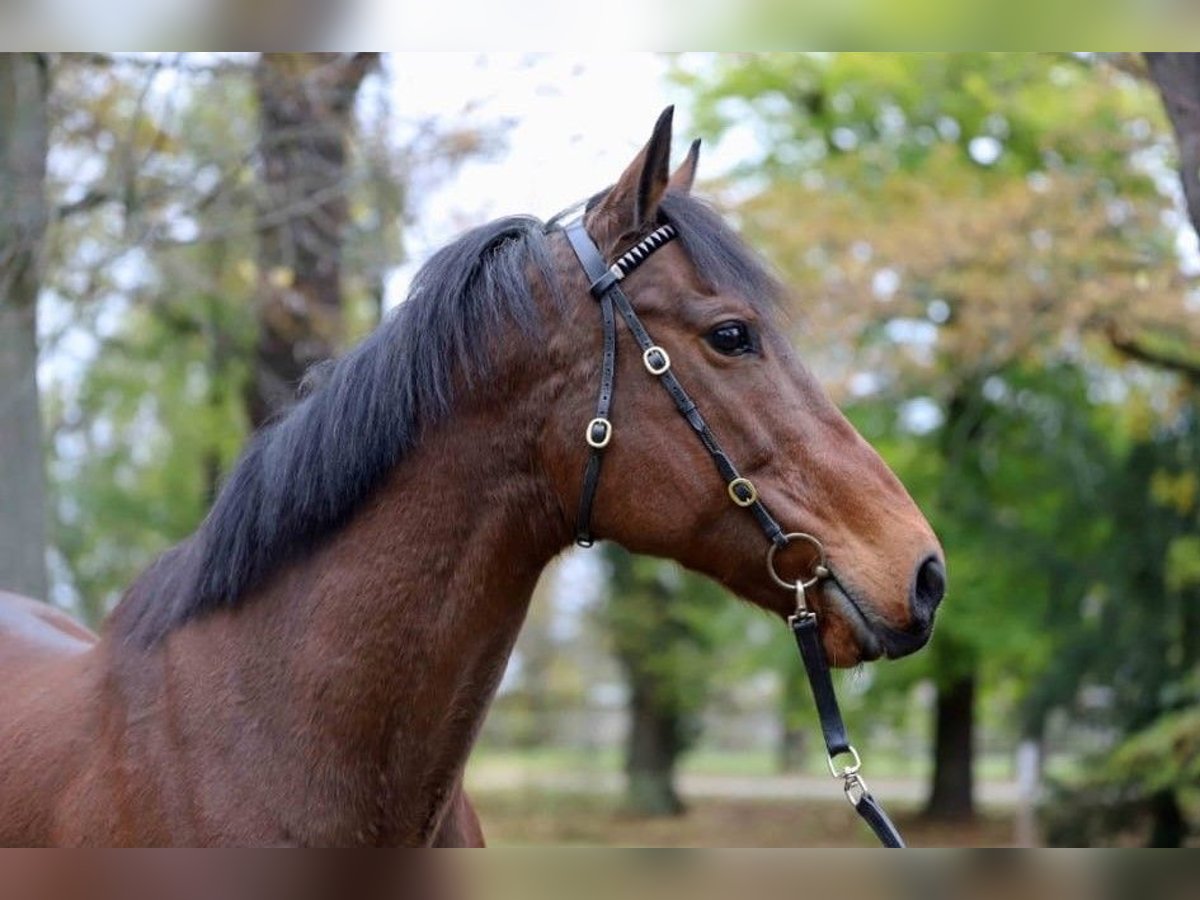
{"points": [[556, 818], [562, 797], [709, 761]]}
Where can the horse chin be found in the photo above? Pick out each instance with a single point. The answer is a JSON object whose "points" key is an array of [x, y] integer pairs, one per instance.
{"points": [[849, 636], [856, 634]]}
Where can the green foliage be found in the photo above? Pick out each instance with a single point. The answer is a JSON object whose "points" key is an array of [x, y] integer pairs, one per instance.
{"points": [[1121, 797], [1183, 562], [156, 278], [664, 625], [863, 116]]}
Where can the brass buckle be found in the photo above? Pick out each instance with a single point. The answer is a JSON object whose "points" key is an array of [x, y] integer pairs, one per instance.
{"points": [[601, 443], [650, 367], [750, 499]]}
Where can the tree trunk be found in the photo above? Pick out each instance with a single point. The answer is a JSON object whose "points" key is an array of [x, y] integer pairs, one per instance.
{"points": [[655, 742], [24, 84], [1177, 76], [653, 642], [796, 711], [952, 797], [1170, 827], [306, 107]]}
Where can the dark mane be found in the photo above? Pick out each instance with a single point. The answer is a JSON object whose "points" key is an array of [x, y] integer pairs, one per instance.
{"points": [[300, 479]]}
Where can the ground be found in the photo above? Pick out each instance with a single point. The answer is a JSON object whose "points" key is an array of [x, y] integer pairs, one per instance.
{"points": [[549, 818], [549, 799]]}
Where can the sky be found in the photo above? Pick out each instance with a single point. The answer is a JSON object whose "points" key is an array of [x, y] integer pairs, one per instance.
{"points": [[577, 120], [451, 24]]}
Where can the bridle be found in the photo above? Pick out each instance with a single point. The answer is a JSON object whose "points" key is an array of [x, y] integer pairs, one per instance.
{"points": [[605, 285]]}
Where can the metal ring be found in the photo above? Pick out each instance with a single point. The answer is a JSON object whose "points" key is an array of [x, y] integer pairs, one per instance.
{"points": [[740, 482], [849, 770], [855, 783], [666, 360], [819, 571], [608, 431]]}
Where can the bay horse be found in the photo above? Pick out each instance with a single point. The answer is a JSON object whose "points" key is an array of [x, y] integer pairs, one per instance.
{"points": [[312, 665]]}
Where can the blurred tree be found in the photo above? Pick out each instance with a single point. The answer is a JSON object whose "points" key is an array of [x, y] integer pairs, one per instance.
{"points": [[663, 624], [306, 109], [24, 84], [1135, 655], [1141, 649], [149, 299], [1177, 78]]}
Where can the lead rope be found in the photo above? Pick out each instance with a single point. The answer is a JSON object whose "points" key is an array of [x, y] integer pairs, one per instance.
{"points": [[804, 628], [606, 288]]}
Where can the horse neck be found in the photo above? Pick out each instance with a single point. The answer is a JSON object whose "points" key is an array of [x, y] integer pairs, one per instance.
{"points": [[383, 649]]}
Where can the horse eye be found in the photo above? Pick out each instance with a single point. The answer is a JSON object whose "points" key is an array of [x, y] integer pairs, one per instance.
{"points": [[731, 338]]}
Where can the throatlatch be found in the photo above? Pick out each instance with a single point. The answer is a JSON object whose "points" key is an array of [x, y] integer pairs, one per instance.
{"points": [[605, 284]]}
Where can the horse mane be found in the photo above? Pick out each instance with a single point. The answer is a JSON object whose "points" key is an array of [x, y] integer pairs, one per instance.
{"points": [[301, 478]]}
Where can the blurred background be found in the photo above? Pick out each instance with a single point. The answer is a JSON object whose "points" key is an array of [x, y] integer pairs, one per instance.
{"points": [[994, 268]]}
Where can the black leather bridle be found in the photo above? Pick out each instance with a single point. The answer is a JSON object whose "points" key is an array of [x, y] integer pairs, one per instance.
{"points": [[605, 283]]}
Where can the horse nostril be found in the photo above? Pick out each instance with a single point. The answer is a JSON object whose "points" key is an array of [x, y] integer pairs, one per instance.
{"points": [[928, 590]]}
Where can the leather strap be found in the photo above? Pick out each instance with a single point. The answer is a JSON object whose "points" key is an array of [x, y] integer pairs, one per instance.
{"points": [[591, 475], [601, 279], [872, 813], [808, 639], [833, 729]]}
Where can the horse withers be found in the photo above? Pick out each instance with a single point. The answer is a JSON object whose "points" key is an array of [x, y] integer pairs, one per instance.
{"points": [[312, 665]]}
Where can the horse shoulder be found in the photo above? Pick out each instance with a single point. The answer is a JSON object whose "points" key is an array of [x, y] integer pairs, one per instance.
{"points": [[48, 680], [460, 827]]}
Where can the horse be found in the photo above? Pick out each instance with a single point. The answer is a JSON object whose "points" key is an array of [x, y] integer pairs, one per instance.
{"points": [[313, 664]]}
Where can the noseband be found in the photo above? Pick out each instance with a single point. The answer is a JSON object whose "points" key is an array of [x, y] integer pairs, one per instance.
{"points": [[606, 289]]}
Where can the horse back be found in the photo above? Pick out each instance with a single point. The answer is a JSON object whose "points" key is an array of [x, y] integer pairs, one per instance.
{"points": [[30, 628], [47, 702]]}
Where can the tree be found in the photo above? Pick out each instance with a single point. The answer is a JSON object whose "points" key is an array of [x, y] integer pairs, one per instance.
{"points": [[306, 106], [24, 86], [662, 623], [1177, 76], [150, 281], [1144, 647]]}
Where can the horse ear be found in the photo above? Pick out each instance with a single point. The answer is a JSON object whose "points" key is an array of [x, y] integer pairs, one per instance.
{"points": [[632, 203], [685, 175]]}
